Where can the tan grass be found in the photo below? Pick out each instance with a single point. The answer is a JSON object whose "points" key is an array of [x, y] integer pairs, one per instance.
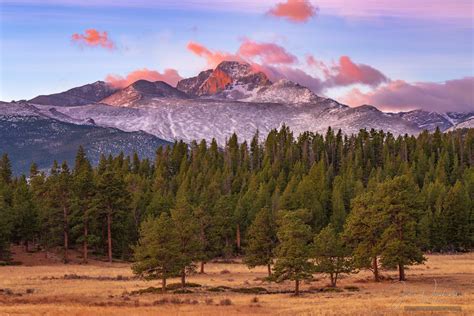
{"points": [[445, 280]]}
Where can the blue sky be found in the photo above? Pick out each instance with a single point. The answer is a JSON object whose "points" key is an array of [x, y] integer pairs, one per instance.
{"points": [[39, 57]]}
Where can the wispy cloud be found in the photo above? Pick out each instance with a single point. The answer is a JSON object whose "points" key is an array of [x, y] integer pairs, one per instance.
{"points": [[170, 76], [93, 38], [436, 10], [399, 95], [294, 10]]}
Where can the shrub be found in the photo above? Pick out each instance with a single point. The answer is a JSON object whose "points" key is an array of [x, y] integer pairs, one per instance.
{"points": [[176, 286], [225, 302], [209, 301], [225, 271], [352, 288], [183, 291], [331, 290], [254, 299], [250, 290]]}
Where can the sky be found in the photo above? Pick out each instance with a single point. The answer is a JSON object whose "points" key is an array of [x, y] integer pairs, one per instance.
{"points": [[396, 55]]}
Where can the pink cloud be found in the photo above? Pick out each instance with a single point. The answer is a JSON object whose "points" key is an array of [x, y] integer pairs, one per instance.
{"points": [[169, 76], [93, 38], [452, 95], [294, 10], [269, 53], [212, 58], [346, 72], [274, 60]]}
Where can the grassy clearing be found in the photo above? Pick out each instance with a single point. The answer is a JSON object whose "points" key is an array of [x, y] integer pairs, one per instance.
{"points": [[102, 289]]}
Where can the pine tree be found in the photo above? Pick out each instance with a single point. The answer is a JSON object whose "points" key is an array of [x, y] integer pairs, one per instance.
{"points": [[456, 217], [293, 252], [331, 255], [157, 254], [262, 240], [338, 215], [363, 230], [83, 193], [5, 169], [187, 231], [400, 205], [25, 214], [111, 199]]}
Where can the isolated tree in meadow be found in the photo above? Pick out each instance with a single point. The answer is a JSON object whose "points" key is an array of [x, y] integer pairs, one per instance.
{"points": [[399, 200], [187, 233], [294, 250], [157, 254], [261, 240], [331, 255], [363, 231], [111, 199]]}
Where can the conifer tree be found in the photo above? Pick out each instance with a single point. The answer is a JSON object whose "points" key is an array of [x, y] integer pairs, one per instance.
{"points": [[187, 231], [400, 205], [294, 250], [262, 240], [331, 255], [363, 230], [112, 200], [25, 214], [157, 254], [83, 193]]}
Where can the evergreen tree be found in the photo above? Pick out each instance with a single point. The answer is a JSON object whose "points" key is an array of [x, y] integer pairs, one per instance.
{"points": [[262, 240], [331, 255], [363, 230], [401, 209], [112, 200], [157, 254], [187, 231], [25, 214], [293, 252], [83, 193]]}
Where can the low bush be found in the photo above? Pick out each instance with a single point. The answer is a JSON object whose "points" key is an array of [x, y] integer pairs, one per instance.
{"points": [[225, 302]]}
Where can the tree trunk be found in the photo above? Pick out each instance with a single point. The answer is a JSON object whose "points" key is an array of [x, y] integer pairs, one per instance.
{"points": [[401, 272], [163, 285], [84, 245], [375, 267], [26, 246], [183, 278], [335, 280], [109, 235], [238, 238], [66, 235], [332, 280], [202, 267], [297, 287], [269, 269]]}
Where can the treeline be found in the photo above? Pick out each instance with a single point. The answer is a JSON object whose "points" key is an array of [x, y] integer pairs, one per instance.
{"points": [[378, 196]]}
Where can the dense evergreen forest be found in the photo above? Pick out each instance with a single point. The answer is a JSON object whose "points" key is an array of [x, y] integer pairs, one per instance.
{"points": [[343, 202]]}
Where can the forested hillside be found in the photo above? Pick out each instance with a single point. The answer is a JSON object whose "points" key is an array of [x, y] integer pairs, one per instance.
{"points": [[371, 195]]}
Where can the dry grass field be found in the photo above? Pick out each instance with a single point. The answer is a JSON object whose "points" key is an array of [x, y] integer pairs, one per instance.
{"points": [[443, 286]]}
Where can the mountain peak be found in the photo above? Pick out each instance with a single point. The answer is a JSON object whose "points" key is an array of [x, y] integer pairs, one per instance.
{"points": [[143, 88], [227, 75], [86, 94]]}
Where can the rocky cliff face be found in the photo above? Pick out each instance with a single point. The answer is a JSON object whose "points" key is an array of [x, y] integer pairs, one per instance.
{"points": [[230, 79]]}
